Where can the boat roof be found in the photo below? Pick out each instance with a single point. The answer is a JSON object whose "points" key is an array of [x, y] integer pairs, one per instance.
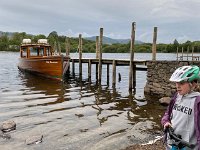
{"points": [[35, 44], [40, 43]]}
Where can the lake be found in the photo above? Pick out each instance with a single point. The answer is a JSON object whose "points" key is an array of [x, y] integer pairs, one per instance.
{"points": [[75, 114]]}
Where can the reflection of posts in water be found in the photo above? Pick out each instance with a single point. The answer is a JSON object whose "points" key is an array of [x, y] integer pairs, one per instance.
{"points": [[130, 97], [114, 94], [100, 97], [119, 77], [98, 102], [132, 92], [80, 81], [99, 91], [133, 106]]}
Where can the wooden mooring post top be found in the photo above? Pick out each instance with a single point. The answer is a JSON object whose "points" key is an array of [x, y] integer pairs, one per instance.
{"points": [[97, 47], [154, 43], [132, 41], [132, 55], [67, 46], [100, 55]]}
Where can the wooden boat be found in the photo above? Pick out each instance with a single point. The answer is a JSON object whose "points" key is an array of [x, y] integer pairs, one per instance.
{"points": [[40, 59]]}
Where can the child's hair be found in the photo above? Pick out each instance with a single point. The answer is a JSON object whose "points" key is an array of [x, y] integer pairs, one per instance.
{"points": [[196, 88]]}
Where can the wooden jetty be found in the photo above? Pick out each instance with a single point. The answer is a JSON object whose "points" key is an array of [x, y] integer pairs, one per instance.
{"points": [[187, 55], [99, 61], [108, 62]]}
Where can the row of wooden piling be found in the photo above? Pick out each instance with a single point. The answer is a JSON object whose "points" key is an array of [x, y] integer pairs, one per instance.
{"points": [[186, 55], [99, 42]]}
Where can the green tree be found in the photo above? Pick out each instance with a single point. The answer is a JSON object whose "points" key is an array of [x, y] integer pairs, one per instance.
{"points": [[37, 37], [4, 42], [175, 45]]}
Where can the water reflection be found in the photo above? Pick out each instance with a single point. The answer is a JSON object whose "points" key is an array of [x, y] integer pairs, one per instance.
{"points": [[101, 98], [78, 114]]}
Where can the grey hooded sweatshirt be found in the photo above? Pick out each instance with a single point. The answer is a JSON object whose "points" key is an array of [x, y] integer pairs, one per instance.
{"points": [[182, 117]]}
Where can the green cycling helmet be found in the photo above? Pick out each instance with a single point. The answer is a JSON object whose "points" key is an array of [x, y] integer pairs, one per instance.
{"points": [[185, 74]]}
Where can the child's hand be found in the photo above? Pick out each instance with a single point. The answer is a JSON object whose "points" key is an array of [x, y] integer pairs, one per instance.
{"points": [[167, 124]]}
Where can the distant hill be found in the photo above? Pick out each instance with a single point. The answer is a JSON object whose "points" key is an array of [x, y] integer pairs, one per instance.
{"points": [[9, 34], [107, 40]]}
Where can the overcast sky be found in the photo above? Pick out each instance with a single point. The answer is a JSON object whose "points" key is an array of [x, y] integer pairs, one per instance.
{"points": [[175, 19]]}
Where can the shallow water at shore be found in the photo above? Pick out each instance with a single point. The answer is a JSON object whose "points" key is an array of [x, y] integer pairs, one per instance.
{"points": [[76, 114]]}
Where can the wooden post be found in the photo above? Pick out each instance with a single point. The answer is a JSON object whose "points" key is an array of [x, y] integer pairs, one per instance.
{"points": [[108, 68], [114, 74], [182, 53], [131, 56], [134, 76], [73, 67], [97, 47], [67, 46], [97, 72], [59, 48], [62, 60], [100, 55], [80, 54], [192, 53], [154, 44], [177, 53], [89, 70], [187, 52]]}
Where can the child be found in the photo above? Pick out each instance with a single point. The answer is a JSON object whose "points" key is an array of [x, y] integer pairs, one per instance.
{"points": [[183, 112]]}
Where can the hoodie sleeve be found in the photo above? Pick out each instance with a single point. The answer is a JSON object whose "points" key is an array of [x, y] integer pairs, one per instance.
{"points": [[197, 119], [166, 117], [167, 114]]}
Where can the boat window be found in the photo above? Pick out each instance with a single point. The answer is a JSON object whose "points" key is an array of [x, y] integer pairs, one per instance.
{"points": [[48, 51], [24, 52], [33, 51], [41, 51], [36, 51]]}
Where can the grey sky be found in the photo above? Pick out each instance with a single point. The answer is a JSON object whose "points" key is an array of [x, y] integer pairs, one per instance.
{"points": [[175, 19]]}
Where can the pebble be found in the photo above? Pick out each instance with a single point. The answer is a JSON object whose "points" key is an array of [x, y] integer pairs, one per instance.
{"points": [[34, 139], [7, 126]]}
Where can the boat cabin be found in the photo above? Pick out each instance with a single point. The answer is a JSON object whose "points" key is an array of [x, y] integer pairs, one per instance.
{"points": [[39, 49]]}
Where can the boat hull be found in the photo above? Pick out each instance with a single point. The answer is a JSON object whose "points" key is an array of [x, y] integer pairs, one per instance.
{"points": [[51, 67]]}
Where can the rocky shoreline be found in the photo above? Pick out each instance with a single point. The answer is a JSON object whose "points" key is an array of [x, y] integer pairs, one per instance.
{"points": [[158, 145], [10, 125]]}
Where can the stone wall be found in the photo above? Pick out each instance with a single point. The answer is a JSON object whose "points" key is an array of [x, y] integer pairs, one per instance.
{"points": [[158, 74]]}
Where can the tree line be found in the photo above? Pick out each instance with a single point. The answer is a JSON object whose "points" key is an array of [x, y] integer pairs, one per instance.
{"points": [[12, 43]]}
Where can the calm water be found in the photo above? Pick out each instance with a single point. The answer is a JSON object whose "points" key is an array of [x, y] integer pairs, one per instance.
{"points": [[76, 115]]}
